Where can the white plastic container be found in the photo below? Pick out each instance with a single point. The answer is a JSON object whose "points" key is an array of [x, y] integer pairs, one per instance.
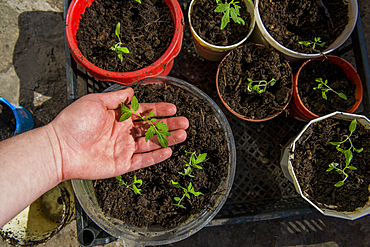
{"points": [[262, 36], [213, 52], [288, 170]]}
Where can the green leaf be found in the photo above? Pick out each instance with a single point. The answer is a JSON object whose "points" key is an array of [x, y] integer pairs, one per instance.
{"points": [[125, 116], [225, 19], [329, 169], [177, 199], [119, 178], [352, 168], [324, 95], [343, 96], [340, 150], [161, 126], [118, 29], [149, 133], [124, 108], [187, 195], [222, 8], [181, 206], [218, 2], [234, 15], [272, 82], [151, 114], [352, 126], [201, 158], [120, 57], [339, 184], [134, 103], [176, 184], [123, 49], [335, 143], [138, 181], [197, 193], [340, 171], [197, 166], [358, 150], [135, 189], [321, 44], [190, 186], [305, 43], [348, 154], [138, 1], [162, 140]]}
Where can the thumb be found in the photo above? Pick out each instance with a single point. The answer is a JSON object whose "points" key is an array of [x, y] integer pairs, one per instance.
{"points": [[112, 100]]}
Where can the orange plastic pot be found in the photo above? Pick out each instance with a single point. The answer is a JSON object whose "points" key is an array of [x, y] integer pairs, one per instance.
{"points": [[298, 111], [238, 114], [162, 66]]}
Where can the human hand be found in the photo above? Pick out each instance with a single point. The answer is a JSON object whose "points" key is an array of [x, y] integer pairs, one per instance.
{"points": [[95, 145]]}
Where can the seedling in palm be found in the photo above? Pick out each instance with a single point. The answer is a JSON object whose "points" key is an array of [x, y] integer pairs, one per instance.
{"points": [[229, 9], [193, 162], [323, 85], [259, 86], [347, 153], [156, 127], [134, 186], [317, 41], [188, 190], [118, 48]]}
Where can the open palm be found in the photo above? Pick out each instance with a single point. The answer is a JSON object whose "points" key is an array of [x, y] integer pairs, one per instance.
{"points": [[95, 145]]}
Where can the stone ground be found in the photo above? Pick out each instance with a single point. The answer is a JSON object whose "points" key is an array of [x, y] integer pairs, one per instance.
{"points": [[32, 71]]}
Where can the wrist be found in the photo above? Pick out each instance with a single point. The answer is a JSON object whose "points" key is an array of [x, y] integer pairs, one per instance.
{"points": [[56, 154]]}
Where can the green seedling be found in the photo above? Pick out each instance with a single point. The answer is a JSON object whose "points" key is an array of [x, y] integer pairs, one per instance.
{"points": [[323, 85], [188, 190], [261, 86], [156, 127], [347, 153], [229, 9], [132, 186], [138, 1], [317, 41], [194, 161], [117, 47]]}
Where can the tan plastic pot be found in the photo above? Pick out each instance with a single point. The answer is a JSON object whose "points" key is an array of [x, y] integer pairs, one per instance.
{"points": [[288, 170], [213, 52], [261, 35], [298, 111]]}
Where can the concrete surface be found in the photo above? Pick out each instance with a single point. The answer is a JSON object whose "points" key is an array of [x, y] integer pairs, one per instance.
{"points": [[32, 52]]}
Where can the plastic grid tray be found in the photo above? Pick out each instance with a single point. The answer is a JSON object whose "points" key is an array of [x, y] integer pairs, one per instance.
{"points": [[260, 190]]}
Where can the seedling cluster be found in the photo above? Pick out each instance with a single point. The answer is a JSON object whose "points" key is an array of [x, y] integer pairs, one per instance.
{"points": [[323, 85], [229, 9], [194, 161], [347, 153], [188, 190], [317, 41], [134, 186], [261, 86], [118, 48], [156, 127]]}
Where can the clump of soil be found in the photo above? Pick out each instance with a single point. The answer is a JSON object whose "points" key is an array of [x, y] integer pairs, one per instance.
{"points": [[290, 22], [7, 122], [337, 80], [313, 155], [146, 30], [257, 63], [154, 206], [207, 23]]}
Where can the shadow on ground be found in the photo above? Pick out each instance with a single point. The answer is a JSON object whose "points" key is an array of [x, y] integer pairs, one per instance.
{"points": [[39, 62]]}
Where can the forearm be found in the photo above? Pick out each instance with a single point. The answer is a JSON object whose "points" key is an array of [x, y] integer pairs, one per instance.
{"points": [[30, 165]]}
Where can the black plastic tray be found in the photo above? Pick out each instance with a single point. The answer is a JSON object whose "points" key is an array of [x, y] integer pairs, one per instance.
{"points": [[260, 190]]}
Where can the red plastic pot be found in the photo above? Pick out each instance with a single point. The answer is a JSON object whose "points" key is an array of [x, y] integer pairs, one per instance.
{"points": [[298, 111], [162, 66]]}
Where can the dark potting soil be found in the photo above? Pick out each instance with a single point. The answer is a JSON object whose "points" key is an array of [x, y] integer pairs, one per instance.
{"points": [[258, 63], [146, 30], [290, 22], [337, 80], [207, 23], [7, 122], [313, 155], [154, 206]]}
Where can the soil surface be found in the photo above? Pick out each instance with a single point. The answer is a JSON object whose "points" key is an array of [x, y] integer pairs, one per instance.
{"points": [[154, 206], [207, 23], [7, 122], [257, 63], [337, 80], [146, 30], [290, 22], [313, 155]]}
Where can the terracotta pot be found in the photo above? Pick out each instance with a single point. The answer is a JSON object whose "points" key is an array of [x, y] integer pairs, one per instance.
{"points": [[298, 111], [238, 114], [287, 158], [162, 66], [214, 52]]}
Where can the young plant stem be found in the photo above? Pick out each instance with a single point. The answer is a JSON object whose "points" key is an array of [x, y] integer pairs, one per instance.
{"points": [[323, 85]]}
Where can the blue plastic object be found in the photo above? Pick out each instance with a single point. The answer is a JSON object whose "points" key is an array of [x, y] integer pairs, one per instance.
{"points": [[23, 118]]}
